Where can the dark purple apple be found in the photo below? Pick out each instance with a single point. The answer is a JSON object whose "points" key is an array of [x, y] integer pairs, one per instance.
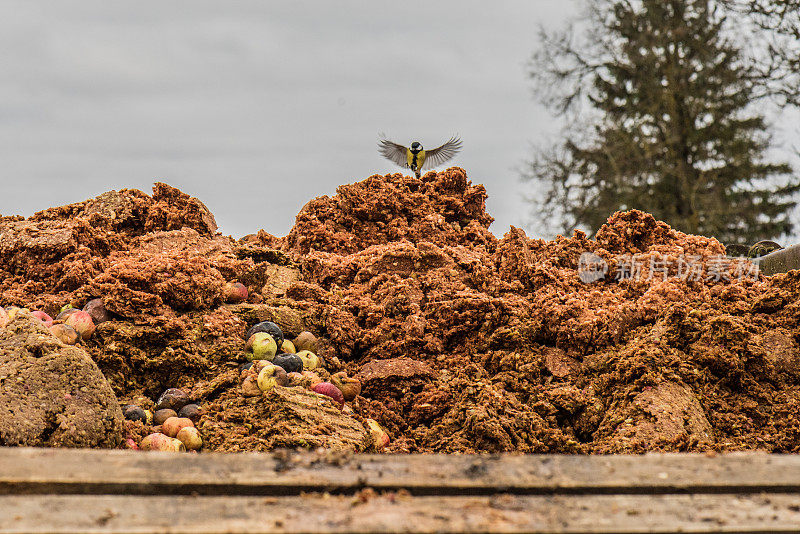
{"points": [[134, 413], [191, 411], [162, 415], [97, 310], [174, 399], [65, 312]]}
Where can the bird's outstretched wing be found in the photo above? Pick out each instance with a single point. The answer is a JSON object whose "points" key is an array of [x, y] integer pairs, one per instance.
{"points": [[437, 156], [393, 152]]}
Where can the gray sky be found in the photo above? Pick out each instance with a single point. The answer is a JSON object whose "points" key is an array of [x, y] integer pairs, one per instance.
{"points": [[256, 107]]}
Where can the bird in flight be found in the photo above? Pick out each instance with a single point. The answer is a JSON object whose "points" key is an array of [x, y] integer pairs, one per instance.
{"points": [[417, 158]]}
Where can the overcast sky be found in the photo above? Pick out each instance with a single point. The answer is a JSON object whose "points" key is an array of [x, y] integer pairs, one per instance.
{"points": [[256, 107]]}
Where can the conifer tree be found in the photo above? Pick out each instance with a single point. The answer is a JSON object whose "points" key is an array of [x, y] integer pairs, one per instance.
{"points": [[774, 40], [670, 126]]}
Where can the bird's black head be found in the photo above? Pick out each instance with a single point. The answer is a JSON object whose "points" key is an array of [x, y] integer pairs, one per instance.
{"points": [[415, 146]]}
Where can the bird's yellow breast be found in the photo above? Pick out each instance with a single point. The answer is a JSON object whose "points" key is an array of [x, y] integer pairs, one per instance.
{"points": [[415, 161]]}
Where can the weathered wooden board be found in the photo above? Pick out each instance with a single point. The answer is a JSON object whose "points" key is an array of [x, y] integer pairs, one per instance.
{"points": [[780, 261], [317, 513], [60, 490], [30, 470]]}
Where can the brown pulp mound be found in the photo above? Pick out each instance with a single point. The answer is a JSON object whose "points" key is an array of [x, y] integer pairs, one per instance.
{"points": [[463, 342]]}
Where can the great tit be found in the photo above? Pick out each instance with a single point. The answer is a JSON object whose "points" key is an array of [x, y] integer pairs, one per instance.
{"points": [[416, 158]]}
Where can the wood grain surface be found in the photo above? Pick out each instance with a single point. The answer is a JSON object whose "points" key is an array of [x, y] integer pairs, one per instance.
{"points": [[60, 490]]}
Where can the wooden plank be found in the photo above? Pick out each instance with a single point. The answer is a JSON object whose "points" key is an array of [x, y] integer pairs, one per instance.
{"points": [[32, 470], [780, 261], [396, 513]]}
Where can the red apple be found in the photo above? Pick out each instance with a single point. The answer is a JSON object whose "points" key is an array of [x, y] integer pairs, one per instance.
{"points": [[160, 442], [328, 389], [235, 292], [81, 322], [43, 317], [173, 425]]}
